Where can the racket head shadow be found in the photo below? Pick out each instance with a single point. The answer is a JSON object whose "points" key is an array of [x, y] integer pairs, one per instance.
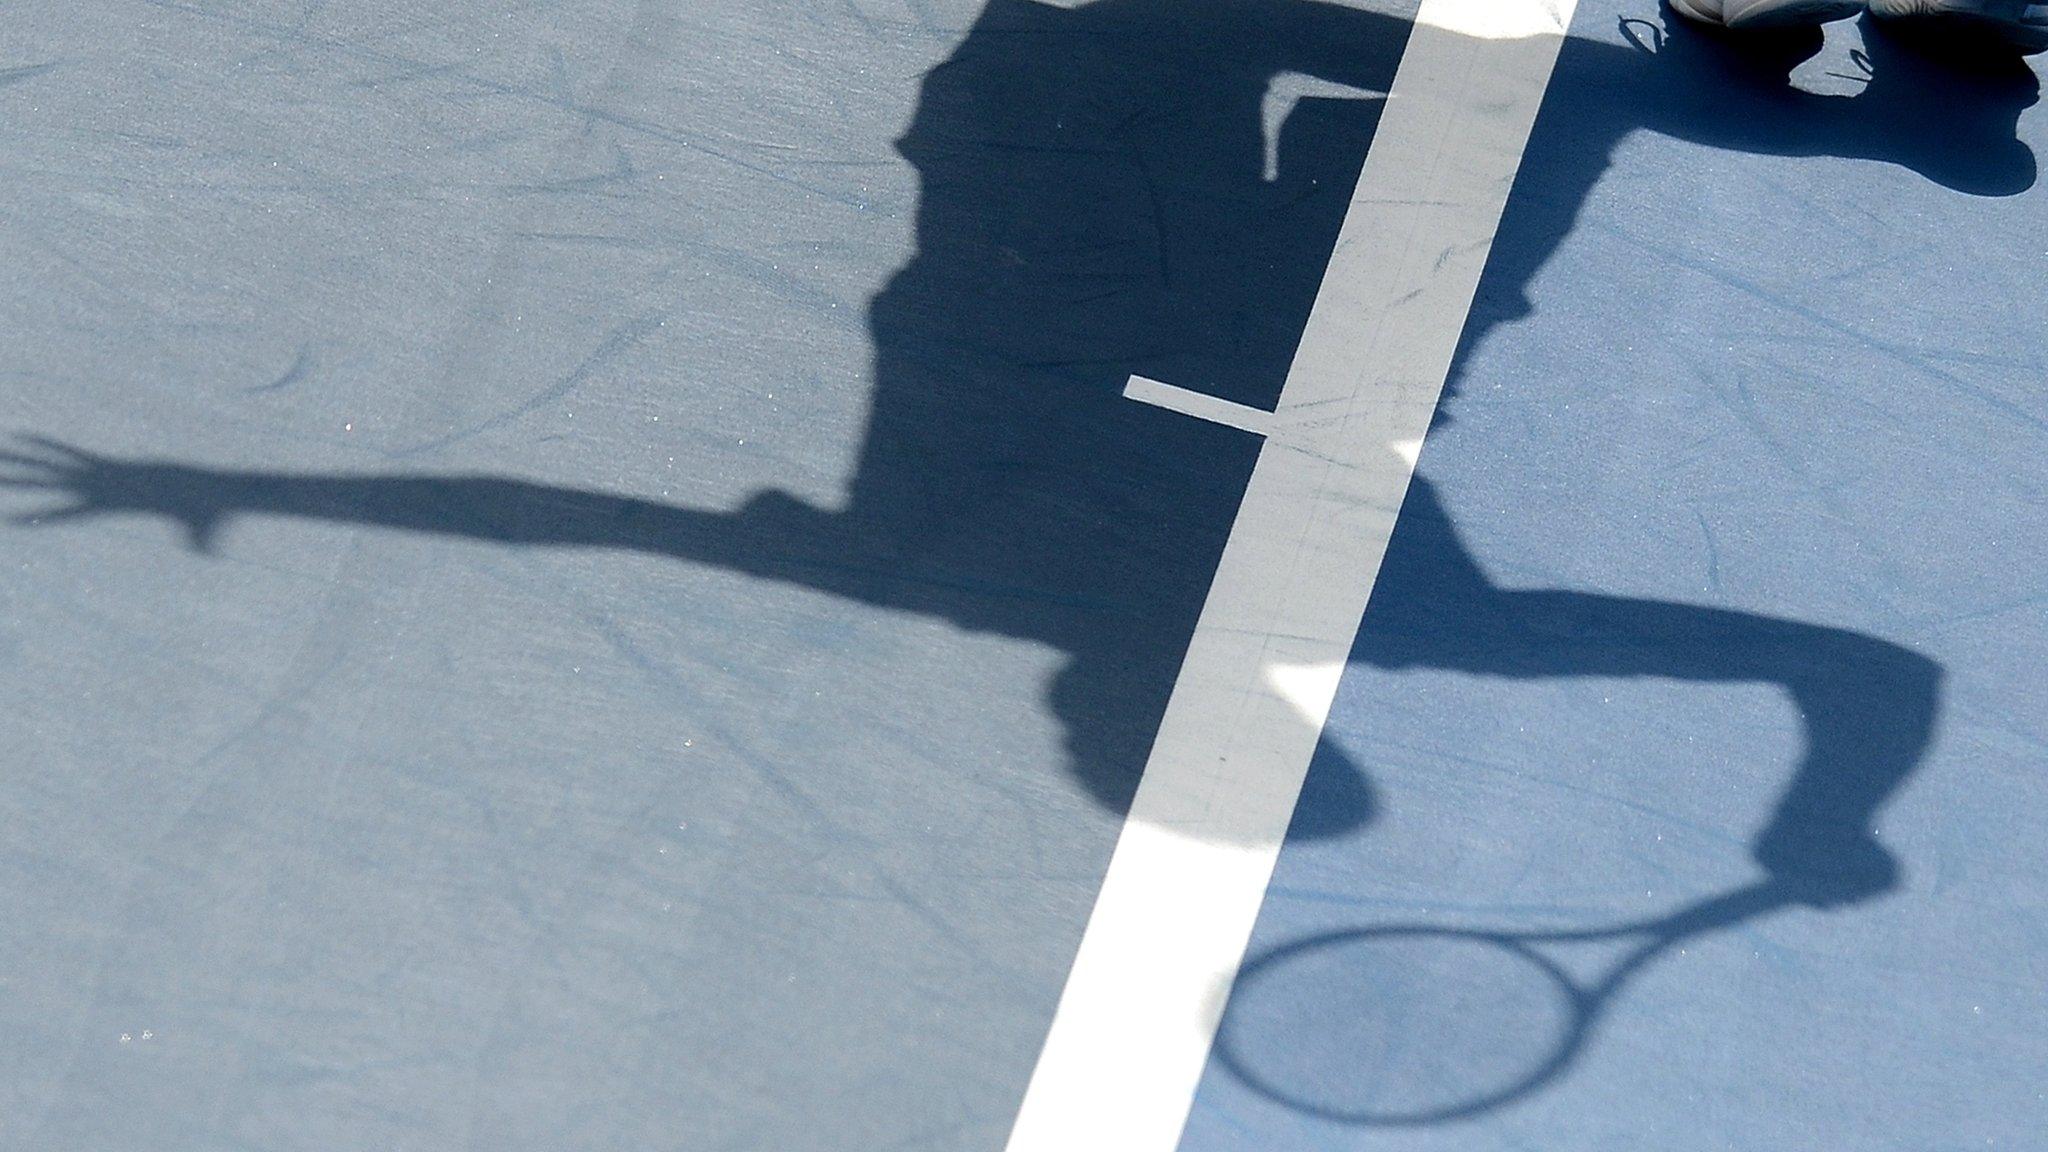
{"points": [[1402, 1025]]}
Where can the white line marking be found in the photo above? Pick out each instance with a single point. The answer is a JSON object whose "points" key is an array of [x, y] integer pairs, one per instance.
{"points": [[1199, 405], [1139, 1013], [1287, 89]]}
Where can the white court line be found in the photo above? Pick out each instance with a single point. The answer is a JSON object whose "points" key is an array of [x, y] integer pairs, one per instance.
{"points": [[1288, 89], [1199, 404], [1139, 1013]]}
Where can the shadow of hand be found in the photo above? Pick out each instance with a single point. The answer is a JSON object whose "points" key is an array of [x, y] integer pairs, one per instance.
{"points": [[96, 485]]}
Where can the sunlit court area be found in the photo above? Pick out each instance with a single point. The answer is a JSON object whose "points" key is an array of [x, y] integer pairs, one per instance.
{"points": [[1023, 575]]}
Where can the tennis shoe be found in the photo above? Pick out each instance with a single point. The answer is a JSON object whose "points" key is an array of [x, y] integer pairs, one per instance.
{"points": [[1743, 14]]}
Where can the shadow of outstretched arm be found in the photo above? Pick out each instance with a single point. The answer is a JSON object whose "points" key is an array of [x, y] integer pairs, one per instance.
{"points": [[1120, 656], [773, 535], [1867, 706]]}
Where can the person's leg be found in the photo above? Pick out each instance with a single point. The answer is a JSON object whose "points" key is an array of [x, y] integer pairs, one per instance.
{"points": [[2015, 24], [1766, 13]]}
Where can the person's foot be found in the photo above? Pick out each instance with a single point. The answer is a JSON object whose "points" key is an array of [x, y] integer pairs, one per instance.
{"points": [[1742, 14], [2016, 24]]}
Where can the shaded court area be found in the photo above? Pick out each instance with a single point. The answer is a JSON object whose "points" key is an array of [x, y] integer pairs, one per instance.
{"points": [[583, 577]]}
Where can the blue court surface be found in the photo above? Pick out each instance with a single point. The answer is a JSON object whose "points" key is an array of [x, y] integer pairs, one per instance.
{"points": [[582, 575]]}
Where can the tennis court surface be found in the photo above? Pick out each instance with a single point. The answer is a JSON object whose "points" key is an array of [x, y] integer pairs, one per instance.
{"points": [[995, 575]]}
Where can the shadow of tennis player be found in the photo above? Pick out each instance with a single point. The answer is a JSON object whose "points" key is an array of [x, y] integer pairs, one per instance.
{"points": [[1100, 198], [1153, 187]]}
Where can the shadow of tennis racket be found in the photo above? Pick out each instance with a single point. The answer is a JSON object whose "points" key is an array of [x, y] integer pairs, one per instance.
{"points": [[1418, 1024]]}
